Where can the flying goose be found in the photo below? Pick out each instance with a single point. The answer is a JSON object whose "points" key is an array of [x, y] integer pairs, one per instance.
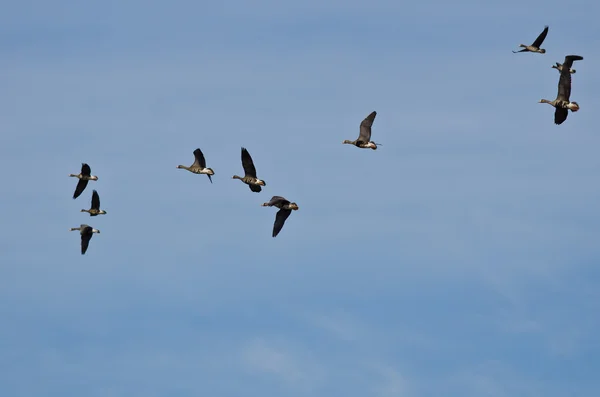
{"points": [[84, 176], [86, 234], [95, 208], [563, 103], [535, 46], [250, 178], [199, 166], [559, 67], [285, 209], [364, 138]]}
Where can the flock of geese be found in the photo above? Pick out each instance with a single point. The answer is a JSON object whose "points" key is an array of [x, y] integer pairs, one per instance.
{"points": [[562, 105]]}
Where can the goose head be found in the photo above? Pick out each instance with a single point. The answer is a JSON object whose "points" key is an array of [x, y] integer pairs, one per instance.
{"points": [[347, 141]]}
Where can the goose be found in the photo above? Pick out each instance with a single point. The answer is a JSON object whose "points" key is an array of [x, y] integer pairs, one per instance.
{"points": [[364, 138], [95, 208], [199, 166], [285, 209], [535, 46], [559, 67], [86, 232], [250, 178], [563, 103], [84, 176]]}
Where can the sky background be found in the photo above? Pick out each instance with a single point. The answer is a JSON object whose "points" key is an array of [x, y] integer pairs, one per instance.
{"points": [[460, 259]]}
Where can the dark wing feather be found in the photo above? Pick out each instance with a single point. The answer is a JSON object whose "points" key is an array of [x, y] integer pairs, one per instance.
{"points": [[95, 200], [278, 201], [564, 84], [560, 115], [569, 59], [540, 39], [255, 188], [209, 178], [80, 187], [280, 218], [248, 164], [199, 161], [85, 169], [365, 128], [86, 235]]}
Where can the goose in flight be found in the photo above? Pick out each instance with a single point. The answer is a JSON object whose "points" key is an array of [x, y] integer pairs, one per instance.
{"points": [[364, 138], [559, 67], [250, 177], [563, 103], [86, 234], [535, 46], [199, 166], [95, 208], [285, 209], [84, 176]]}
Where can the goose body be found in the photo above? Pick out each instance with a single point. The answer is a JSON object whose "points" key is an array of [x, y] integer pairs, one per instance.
{"points": [[95, 208], [84, 176], [285, 209], [250, 178], [199, 166], [535, 46], [559, 67], [364, 138], [563, 102], [86, 233]]}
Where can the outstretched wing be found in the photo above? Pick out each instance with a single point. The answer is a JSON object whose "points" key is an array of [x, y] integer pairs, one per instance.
{"points": [[280, 218], [199, 161], [85, 169], [277, 201], [95, 200], [540, 39], [86, 235], [564, 84], [248, 164], [365, 128], [255, 188], [569, 59], [80, 187], [209, 178], [560, 115]]}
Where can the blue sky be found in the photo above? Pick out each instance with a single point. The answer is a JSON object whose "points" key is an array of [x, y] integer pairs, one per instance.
{"points": [[460, 259]]}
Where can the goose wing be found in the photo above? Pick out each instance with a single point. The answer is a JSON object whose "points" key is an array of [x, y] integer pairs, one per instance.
{"points": [[85, 169], [86, 235], [199, 161], [80, 187], [280, 218], [560, 115], [365, 128], [277, 201], [564, 82], [248, 164], [540, 39], [95, 200], [569, 59], [255, 188]]}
